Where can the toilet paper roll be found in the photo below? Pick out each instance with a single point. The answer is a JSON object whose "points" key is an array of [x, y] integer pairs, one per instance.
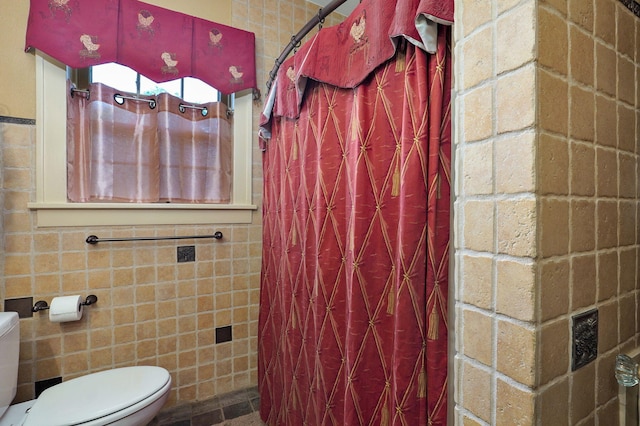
{"points": [[65, 308]]}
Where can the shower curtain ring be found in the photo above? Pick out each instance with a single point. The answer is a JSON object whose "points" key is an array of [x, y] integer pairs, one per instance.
{"points": [[320, 19], [295, 43]]}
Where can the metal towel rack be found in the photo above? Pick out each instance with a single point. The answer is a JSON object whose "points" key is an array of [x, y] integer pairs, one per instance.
{"points": [[92, 239]]}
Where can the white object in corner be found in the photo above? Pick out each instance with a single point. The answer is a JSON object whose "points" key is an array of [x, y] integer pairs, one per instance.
{"points": [[128, 396]]}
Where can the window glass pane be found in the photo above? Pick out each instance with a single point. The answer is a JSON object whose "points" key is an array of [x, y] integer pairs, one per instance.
{"points": [[124, 78], [150, 87], [198, 92], [115, 75]]}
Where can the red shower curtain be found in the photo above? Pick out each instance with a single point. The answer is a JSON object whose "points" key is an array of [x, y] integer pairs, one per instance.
{"points": [[353, 316]]}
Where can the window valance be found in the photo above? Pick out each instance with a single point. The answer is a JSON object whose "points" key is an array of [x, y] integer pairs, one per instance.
{"points": [[158, 43]]}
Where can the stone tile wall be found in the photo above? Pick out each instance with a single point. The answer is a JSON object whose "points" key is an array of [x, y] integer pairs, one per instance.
{"points": [[546, 207]]}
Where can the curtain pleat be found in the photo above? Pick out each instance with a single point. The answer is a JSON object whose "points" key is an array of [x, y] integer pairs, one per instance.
{"points": [[353, 318]]}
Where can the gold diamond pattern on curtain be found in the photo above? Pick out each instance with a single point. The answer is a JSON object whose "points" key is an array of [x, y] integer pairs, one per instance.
{"points": [[354, 283]]}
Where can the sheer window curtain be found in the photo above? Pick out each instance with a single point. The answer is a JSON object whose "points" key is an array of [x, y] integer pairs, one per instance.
{"points": [[133, 153]]}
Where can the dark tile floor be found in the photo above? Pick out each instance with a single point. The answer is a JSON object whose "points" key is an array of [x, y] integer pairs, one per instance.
{"points": [[211, 412]]}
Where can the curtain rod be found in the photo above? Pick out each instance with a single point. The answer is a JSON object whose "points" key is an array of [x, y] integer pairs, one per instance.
{"points": [[119, 99], [92, 239], [297, 39]]}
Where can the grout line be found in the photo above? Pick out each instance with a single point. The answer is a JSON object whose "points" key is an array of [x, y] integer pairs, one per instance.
{"points": [[212, 411]]}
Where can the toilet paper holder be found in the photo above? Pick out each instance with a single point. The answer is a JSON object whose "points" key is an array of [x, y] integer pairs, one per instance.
{"points": [[42, 305]]}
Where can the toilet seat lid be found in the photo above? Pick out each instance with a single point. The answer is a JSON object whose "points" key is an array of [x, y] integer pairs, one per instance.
{"points": [[96, 395], [8, 320]]}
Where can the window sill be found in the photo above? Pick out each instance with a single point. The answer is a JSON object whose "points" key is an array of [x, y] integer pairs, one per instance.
{"points": [[95, 214]]}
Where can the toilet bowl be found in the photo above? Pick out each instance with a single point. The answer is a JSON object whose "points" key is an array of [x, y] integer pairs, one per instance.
{"points": [[127, 396]]}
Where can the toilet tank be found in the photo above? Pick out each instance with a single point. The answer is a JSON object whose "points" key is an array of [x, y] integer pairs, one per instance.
{"points": [[9, 354]]}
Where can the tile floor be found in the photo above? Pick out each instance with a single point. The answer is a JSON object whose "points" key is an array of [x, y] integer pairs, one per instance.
{"points": [[238, 408]]}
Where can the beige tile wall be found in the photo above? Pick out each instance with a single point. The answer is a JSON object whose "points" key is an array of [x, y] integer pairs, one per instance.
{"points": [[495, 224], [546, 208], [544, 228], [150, 310]]}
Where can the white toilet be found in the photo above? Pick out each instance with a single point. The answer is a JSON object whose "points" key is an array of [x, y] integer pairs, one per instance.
{"points": [[129, 396]]}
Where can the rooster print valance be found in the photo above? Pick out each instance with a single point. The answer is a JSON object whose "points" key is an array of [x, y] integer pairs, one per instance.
{"points": [[158, 43]]}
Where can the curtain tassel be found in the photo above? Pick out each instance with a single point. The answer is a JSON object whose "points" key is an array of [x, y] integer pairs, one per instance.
{"points": [[294, 323], [384, 416], [391, 301], [434, 322], [422, 383], [395, 189], [354, 130], [401, 62]]}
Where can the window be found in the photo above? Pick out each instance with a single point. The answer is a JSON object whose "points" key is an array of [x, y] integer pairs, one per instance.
{"points": [[124, 78], [51, 203], [132, 140]]}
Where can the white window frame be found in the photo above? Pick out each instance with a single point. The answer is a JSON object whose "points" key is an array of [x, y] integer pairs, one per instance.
{"points": [[52, 206]]}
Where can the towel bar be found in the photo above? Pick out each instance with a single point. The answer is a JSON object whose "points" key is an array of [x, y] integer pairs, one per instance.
{"points": [[92, 239]]}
